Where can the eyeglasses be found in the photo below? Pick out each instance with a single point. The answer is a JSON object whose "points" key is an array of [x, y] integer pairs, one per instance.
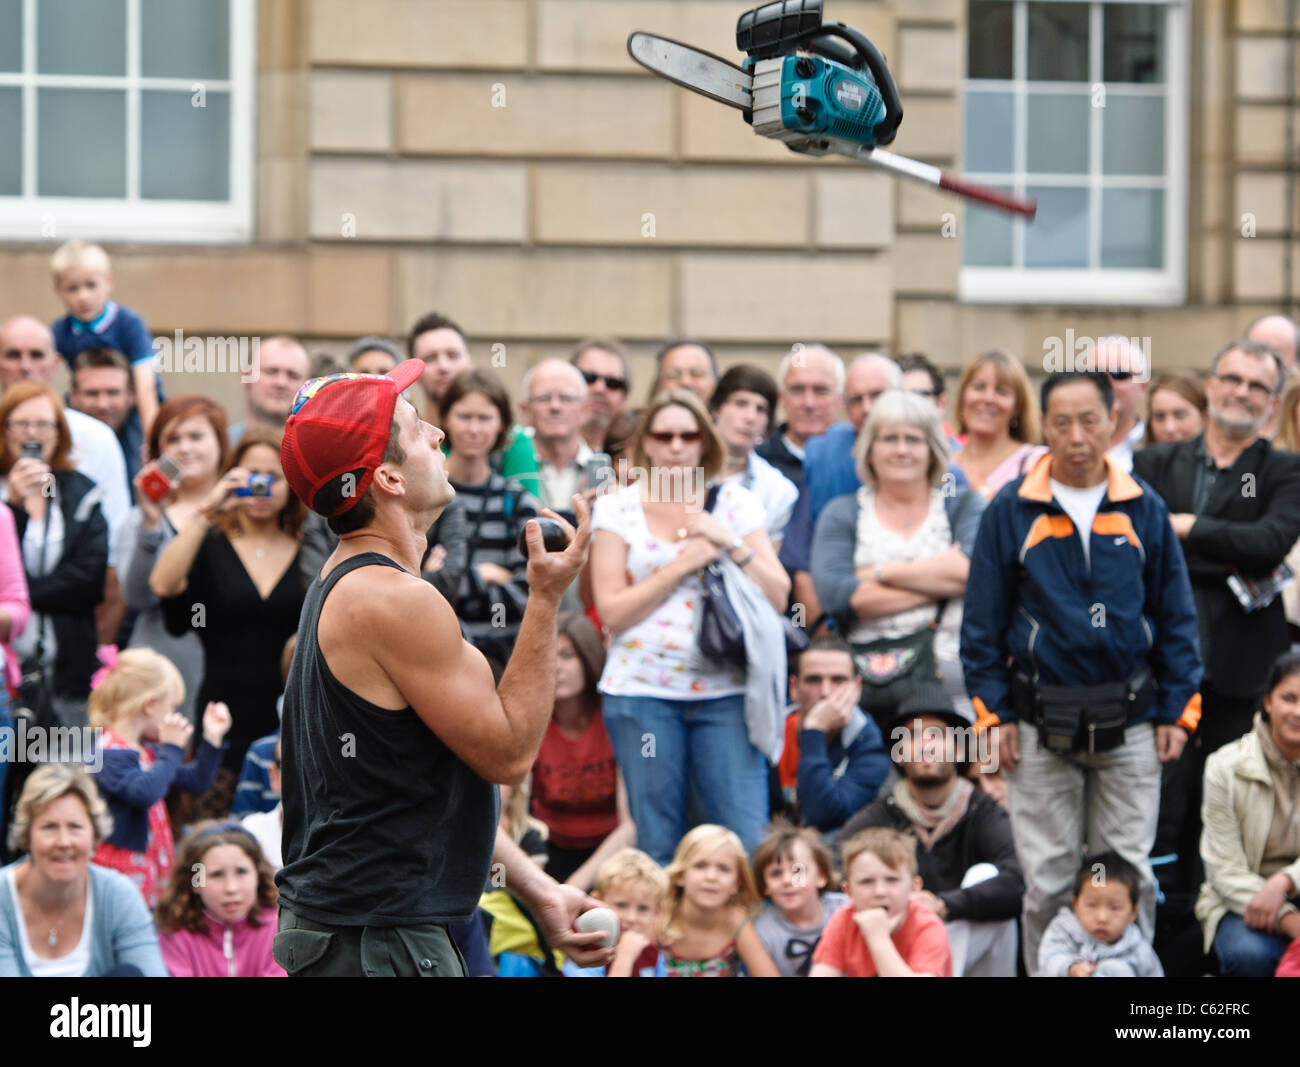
{"points": [[1119, 375], [1235, 382], [564, 399], [691, 437], [619, 385], [40, 426]]}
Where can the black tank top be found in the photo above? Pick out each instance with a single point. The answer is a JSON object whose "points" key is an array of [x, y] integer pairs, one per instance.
{"points": [[383, 824]]}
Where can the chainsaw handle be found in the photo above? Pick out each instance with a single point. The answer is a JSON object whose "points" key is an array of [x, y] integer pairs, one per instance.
{"points": [[887, 128]]}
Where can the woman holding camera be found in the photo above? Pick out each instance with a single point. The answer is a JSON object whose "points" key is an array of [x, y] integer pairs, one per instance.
{"points": [[231, 576], [190, 432], [64, 542], [493, 588]]}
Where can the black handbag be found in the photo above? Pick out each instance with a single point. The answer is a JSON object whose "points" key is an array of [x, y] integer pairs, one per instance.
{"points": [[719, 633], [892, 667]]}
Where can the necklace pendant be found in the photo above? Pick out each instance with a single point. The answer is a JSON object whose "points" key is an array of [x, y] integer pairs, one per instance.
{"points": [[53, 939]]}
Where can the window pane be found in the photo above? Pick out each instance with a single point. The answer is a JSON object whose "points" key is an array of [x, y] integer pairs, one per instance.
{"points": [[1133, 228], [11, 34], [81, 37], [990, 132], [1133, 43], [11, 134], [989, 51], [1058, 237], [988, 237], [81, 136], [1057, 138], [184, 38], [185, 150], [1058, 42], [1133, 135]]}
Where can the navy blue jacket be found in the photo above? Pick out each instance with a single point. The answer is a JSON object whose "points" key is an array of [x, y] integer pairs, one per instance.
{"points": [[1031, 601], [130, 792], [827, 798]]}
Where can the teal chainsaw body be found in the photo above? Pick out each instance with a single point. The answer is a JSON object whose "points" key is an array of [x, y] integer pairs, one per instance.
{"points": [[817, 85], [801, 97]]}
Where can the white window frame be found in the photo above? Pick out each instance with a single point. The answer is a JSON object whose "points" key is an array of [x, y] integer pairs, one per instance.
{"points": [[30, 217], [1095, 286]]}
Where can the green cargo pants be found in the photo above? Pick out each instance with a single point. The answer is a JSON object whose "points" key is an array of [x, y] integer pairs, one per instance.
{"points": [[308, 949]]}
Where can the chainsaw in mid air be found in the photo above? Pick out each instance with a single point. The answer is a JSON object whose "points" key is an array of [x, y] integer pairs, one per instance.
{"points": [[818, 85]]}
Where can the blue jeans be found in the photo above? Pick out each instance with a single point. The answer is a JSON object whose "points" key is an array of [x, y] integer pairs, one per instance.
{"points": [[675, 754], [1243, 952]]}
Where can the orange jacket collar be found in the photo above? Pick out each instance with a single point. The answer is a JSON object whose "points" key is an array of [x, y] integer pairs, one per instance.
{"points": [[1037, 484]]}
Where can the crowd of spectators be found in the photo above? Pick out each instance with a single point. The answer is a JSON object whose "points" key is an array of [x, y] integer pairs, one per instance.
{"points": [[1037, 672]]}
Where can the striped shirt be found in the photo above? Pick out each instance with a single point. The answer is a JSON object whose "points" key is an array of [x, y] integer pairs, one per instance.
{"points": [[495, 511]]}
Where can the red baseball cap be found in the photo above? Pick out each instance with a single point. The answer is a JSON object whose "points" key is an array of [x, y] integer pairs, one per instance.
{"points": [[341, 423]]}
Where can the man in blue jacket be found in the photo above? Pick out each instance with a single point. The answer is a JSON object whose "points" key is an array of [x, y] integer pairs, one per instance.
{"points": [[1080, 652], [833, 748]]}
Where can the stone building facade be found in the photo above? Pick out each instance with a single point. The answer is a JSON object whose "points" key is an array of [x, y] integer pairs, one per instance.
{"points": [[505, 162]]}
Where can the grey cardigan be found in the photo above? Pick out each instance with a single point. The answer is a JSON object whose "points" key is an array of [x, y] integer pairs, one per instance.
{"points": [[122, 931], [836, 538]]}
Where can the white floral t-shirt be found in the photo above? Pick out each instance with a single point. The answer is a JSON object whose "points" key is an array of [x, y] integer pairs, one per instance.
{"points": [[657, 657]]}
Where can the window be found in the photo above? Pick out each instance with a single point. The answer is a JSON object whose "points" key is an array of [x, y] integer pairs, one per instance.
{"points": [[1082, 105], [126, 119]]}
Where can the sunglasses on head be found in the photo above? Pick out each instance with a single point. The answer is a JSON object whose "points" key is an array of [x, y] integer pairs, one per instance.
{"points": [[619, 385], [690, 437]]}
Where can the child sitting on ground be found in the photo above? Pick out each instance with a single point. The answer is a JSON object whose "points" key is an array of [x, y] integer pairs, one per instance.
{"points": [[1097, 934], [882, 931], [633, 887], [792, 867], [707, 929], [83, 281], [217, 918]]}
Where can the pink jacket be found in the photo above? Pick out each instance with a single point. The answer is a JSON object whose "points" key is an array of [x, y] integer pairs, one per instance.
{"points": [[13, 593], [225, 950]]}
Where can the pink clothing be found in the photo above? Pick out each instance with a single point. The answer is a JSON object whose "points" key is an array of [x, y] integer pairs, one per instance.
{"points": [[1008, 470], [224, 950], [13, 594]]}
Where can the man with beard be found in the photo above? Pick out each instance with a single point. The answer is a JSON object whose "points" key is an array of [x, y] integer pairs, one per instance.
{"points": [[965, 853], [1234, 502]]}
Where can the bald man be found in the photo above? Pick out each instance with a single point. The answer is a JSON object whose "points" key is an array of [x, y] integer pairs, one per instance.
{"points": [[1282, 335], [27, 354], [1125, 364], [555, 396], [811, 378], [1278, 332]]}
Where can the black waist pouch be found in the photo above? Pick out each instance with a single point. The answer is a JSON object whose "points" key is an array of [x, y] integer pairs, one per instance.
{"points": [[1089, 718]]}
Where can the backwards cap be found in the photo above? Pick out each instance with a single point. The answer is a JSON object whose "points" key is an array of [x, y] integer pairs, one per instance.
{"points": [[339, 424]]}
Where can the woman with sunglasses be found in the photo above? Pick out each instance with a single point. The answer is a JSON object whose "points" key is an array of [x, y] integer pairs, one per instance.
{"points": [[676, 720]]}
